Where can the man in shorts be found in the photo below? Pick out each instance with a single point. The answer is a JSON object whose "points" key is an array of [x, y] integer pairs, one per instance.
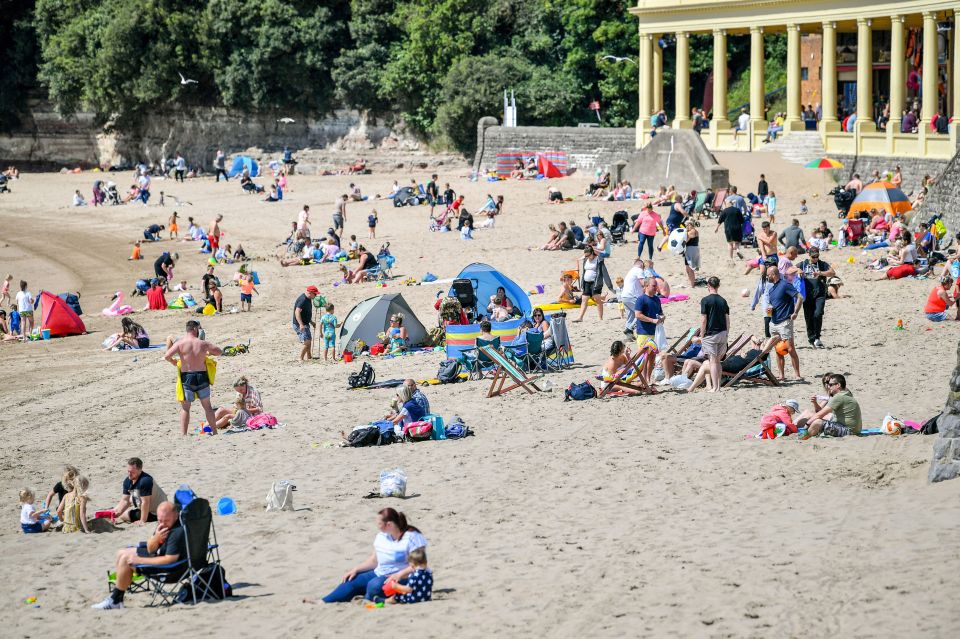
{"points": [[714, 328], [786, 304], [846, 411], [167, 545], [340, 213], [141, 495], [192, 363], [302, 316], [213, 234], [649, 313]]}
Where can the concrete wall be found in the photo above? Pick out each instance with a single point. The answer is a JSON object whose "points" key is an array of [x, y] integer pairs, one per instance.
{"points": [[48, 139], [675, 157], [588, 148]]}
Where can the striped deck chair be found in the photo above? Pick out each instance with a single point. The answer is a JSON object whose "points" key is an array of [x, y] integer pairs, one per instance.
{"points": [[506, 368], [756, 371], [636, 362]]}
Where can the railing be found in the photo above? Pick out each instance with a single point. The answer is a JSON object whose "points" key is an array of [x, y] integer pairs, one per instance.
{"points": [[734, 113]]}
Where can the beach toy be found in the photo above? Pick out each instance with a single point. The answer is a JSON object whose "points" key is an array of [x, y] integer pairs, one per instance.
{"points": [[256, 278], [212, 261], [226, 506], [347, 357], [371, 606], [104, 514], [851, 260], [206, 430], [899, 325], [30, 600], [45, 332], [388, 589], [745, 293], [783, 348], [118, 307]]}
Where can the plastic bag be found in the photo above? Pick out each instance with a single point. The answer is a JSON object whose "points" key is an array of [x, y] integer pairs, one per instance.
{"points": [[280, 495], [393, 483], [660, 338]]}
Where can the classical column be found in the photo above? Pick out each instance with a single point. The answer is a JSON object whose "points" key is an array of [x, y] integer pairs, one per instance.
{"points": [[757, 94], [865, 76], [928, 104], [793, 122], [682, 100], [645, 69], [657, 75], [828, 79], [897, 78], [955, 68], [719, 120]]}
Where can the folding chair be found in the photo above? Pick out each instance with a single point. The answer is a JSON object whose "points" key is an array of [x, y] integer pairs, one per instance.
{"points": [[561, 355], [476, 361], [507, 369], [637, 362], [533, 356], [683, 342], [199, 569], [763, 375], [384, 268]]}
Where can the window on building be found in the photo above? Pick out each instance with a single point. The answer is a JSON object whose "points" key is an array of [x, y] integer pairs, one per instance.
{"points": [[805, 73]]}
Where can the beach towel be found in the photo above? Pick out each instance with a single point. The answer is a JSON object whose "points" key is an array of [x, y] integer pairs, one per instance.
{"points": [[211, 374]]}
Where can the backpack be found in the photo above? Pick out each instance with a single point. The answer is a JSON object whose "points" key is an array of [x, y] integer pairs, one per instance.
{"points": [[449, 372], [209, 583], [364, 436], [418, 431], [579, 392], [457, 429], [364, 377], [280, 495], [387, 434], [450, 309], [931, 427]]}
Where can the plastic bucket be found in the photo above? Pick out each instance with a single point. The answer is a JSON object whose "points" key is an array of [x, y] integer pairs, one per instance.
{"points": [[46, 333], [256, 278], [226, 506], [347, 356]]}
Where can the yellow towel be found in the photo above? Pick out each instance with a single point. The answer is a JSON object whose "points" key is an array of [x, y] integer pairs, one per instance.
{"points": [[211, 373]]}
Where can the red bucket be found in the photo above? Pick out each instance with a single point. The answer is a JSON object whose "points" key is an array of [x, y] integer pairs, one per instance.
{"points": [[347, 356]]}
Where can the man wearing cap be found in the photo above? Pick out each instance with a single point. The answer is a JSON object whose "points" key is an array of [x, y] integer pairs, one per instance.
{"points": [[815, 275], [192, 363], [302, 316]]}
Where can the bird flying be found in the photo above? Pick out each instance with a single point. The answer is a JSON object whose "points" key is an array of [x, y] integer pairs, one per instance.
{"points": [[184, 80]]}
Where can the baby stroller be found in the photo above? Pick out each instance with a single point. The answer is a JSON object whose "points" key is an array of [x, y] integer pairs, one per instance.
{"points": [[3, 184], [749, 236], [113, 195], [406, 197], [619, 227], [843, 198]]}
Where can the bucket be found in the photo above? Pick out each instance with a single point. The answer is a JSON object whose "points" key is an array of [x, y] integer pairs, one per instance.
{"points": [[46, 333], [256, 278], [226, 506], [347, 356]]}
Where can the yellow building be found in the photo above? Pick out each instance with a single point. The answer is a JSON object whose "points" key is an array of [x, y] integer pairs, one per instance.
{"points": [[681, 18]]}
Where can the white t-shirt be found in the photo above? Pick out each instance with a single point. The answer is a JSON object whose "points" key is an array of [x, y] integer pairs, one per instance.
{"points": [[144, 182], [392, 554], [24, 301], [909, 257], [590, 269], [302, 220], [743, 121], [26, 512], [633, 282]]}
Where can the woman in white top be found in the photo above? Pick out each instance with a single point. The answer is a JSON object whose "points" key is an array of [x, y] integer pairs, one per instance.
{"points": [[591, 282], [389, 560]]}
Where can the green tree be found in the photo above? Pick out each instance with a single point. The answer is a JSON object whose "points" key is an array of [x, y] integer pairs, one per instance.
{"points": [[360, 70], [18, 50]]}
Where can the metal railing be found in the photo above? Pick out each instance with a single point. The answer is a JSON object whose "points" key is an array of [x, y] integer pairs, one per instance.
{"points": [[734, 113]]}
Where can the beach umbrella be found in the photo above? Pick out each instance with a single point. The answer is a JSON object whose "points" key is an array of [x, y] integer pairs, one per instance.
{"points": [[823, 163], [883, 196]]}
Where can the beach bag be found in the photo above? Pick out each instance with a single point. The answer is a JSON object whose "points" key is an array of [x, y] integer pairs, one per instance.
{"points": [[439, 432], [364, 377], [435, 336], [386, 431], [931, 426], [263, 420], [578, 392], [449, 372], [393, 483], [280, 495], [210, 583], [418, 431], [364, 436], [660, 337], [457, 429]]}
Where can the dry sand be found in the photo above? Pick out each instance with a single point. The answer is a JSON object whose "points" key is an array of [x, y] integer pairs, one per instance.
{"points": [[644, 516]]}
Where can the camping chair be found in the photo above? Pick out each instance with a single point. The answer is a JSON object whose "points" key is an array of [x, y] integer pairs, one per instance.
{"points": [[683, 342], [475, 359], [762, 375], [504, 369], [384, 267], [636, 362], [698, 203], [533, 357], [199, 569], [560, 355]]}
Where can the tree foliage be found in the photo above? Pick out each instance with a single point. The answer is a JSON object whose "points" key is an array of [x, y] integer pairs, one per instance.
{"points": [[438, 65]]}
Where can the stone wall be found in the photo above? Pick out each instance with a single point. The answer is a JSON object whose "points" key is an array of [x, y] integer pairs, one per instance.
{"points": [[46, 139], [913, 169], [944, 197], [946, 449], [589, 148]]}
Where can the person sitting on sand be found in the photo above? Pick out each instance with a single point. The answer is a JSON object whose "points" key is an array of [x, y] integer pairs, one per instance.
{"points": [[156, 301], [31, 520], [407, 409], [419, 586], [902, 259], [246, 405], [568, 291], [141, 495], [939, 300], [214, 297], [73, 507], [305, 257], [778, 422], [132, 194], [60, 489], [167, 545], [397, 334], [131, 336], [549, 245], [846, 420], [367, 261]]}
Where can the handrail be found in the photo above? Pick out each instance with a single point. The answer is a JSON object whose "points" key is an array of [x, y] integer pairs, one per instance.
{"points": [[733, 113]]}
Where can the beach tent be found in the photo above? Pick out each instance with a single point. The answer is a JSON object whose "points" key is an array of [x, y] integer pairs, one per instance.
{"points": [[369, 318], [58, 317], [507, 162], [486, 279], [883, 196], [242, 162], [547, 168], [463, 337]]}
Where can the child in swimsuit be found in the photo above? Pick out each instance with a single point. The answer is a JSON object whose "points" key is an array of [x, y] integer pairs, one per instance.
{"points": [[5, 291], [568, 292], [328, 325]]}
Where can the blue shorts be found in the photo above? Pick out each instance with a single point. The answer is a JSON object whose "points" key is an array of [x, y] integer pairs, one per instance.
{"points": [[329, 340], [246, 297], [35, 527], [303, 335]]}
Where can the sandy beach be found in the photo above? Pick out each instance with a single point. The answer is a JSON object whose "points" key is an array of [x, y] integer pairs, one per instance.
{"points": [[628, 516]]}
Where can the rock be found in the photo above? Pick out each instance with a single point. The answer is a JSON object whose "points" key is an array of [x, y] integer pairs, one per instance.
{"points": [[946, 449]]}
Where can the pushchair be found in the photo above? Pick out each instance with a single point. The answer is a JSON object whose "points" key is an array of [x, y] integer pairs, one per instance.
{"points": [[714, 202], [619, 227], [3, 184], [113, 195], [406, 196], [843, 198]]}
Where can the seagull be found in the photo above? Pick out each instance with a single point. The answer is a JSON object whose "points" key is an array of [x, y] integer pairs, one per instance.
{"points": [[185, 81], [180, 202], [617, 59], [286, 120]]}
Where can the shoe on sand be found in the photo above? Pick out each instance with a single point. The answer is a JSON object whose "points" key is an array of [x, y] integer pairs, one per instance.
{"points": [[107, 604]]}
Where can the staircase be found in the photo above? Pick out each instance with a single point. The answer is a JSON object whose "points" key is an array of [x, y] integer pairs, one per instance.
{"points": [[798, 147]]}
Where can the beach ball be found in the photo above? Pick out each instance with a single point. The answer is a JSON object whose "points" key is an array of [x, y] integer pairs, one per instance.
{"points": [[891, 426], [745, 293], [677, 241], [851, 260], [783, 348]]}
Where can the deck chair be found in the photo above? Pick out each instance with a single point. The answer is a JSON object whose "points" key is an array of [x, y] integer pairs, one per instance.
{"points": [[507, 369], [531, 355], [683, 342], [476, 361], [636, 362], [698, 203], [199, 570], [384, 268], [756, 371]]}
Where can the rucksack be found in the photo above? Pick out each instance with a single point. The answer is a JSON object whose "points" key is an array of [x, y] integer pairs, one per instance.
{"points": [[280, 495], [387, 434], [364, 436], [457, 429], [579, 392], [449, 372], [209, 583], [931, 427], [418, 431], [364, 377]]}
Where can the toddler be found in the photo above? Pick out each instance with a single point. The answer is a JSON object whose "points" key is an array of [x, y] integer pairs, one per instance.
{"points": [[5, 291], [31, 520], [172, 224], [354, 248], [136, 255], [247, 289], [372, 223], [770, 203], [419, 584], [803, 207], [328, 326], [620, 307]]}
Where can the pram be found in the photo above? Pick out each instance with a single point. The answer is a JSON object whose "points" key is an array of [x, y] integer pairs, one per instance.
{"points": [[619, 227], [843, 198], [113, 195], [406, 196], [714, 202]]}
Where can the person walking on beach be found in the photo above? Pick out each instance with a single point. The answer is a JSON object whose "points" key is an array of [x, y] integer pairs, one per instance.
{"points": [[25, 302], [221, 165], [192, 352], [180, 168], [302, 316], [714, 328], [816, 272], [785, 303], [340, 213], [213, 234]]}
